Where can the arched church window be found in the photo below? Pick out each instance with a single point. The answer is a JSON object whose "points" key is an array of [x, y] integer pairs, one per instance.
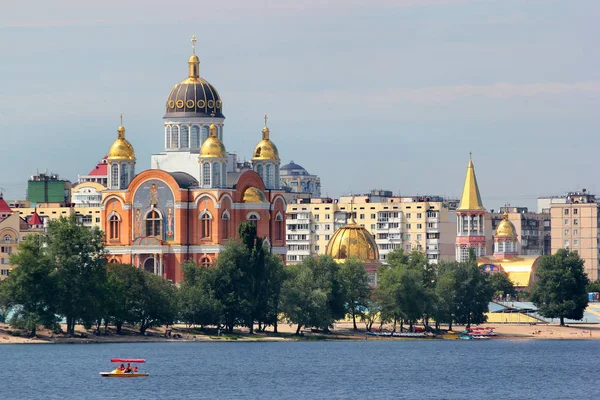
{"points": [[153, 224], [7, 238], [276, 184], [216, 174], [114, 175], [204, 133], [205, 262], [223, 175], [278, 227], [195, 137], [260, 171], [124, 176], [184, 137], [206, 174], [205, 224], [174, 137], [149, 265], [269, 176], [253, 219], [113, 227], [168, 137], [225, 222]]}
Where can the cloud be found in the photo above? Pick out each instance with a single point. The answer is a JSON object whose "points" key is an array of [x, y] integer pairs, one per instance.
{"points": [[60, 13]]}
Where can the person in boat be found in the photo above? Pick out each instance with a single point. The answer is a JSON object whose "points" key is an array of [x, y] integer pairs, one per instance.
{"points": [[135, 369], [128, 370], [122, 367]]}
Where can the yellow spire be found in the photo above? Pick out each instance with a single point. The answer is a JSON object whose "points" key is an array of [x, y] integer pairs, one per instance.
{"points": [[265, 130], [471, 199], [193, 61]]}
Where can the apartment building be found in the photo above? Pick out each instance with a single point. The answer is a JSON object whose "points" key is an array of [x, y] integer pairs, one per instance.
{"points": [[424, 223]]}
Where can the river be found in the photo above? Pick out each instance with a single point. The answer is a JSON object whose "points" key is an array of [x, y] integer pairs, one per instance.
{"points": [[410, 369]]}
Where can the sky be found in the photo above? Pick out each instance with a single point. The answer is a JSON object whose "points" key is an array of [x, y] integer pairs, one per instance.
{"points": [[386, 94]]}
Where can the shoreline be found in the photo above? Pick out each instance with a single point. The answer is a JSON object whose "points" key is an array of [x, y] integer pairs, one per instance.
{"points": [[342, 332]]}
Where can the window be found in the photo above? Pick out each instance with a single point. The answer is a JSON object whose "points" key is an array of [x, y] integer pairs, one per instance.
{"points": [[566, 244], [566, 211], [408, 246], [6, 249], [373, 216], [566, 232], [153, 224], [317, 217], [407, 215], [408, 226], [206, 174], [205, 225], [205, 133], [327, 216], [278, 227], [225, 219], [185, 137], [326, 237], [168, 138], [419, 215], [269, 176], [373, 226], [114, 175], [362, 216], [575, 211], [575, 232], [316, 248], [327, 227], [407, 236], [216, 175], [566, 221], [174, 137], [419, 226], [575, 242], [113, 223], [575, 221], [419, 236], [205, 262], [316, 237], [253, 219], [7, 238], [195, 137]]}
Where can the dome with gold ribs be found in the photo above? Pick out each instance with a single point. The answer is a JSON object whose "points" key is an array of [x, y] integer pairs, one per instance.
{"points": [[265, 149], [254, 195], [350, 241], [212, 146], [194, 96], [505, 228], [121, 149]]}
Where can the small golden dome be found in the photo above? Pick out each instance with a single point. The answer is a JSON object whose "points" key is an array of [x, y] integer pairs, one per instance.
{"points": [[254, 195], [505, 228], [350, 241], [121, 149], [212, 146], [265, 149], [193, 59]]}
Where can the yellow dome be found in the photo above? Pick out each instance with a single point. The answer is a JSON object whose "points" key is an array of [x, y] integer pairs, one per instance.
{"points": [[265, 149], [506, 228], [212, 146], [121, 149], [350, 241], [253, 195]]}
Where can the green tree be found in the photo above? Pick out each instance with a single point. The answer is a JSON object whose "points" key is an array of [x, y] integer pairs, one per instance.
{"points": [[79, 257], [31, 286], [274, 277], [445, 294], [197, 302], [157, 303], [124, 289], [593, 286], [560, 287], [313, 295], [355, 282], [501, 284], [473, 292], [5, 305]]}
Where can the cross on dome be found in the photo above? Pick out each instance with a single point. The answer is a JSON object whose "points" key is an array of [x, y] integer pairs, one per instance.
{"points": [[193, 44], [266, 118], [121, 116]]}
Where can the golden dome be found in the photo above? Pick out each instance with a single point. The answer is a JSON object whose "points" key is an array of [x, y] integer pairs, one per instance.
{"points": [[265, 149], [212, 146], [121, 149], [350, 241], [253, 195], [505, 228]]}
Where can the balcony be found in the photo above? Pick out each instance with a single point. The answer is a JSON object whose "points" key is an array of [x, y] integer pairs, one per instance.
{"points": [[433, 219], [433, 241]]}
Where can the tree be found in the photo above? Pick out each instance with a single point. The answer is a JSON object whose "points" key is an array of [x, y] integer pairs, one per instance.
{"points": [[445, 294], [313, 295], [78, 254], [560, 287], [473, 292], [124, 289], [593, 286], [196, 297], [157, 302], [31, 286], [355, 282], [5, 305], [501, 284], [275, 276]]}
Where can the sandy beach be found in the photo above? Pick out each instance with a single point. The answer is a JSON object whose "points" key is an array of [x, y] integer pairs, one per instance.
{"points": [[341, 331]]}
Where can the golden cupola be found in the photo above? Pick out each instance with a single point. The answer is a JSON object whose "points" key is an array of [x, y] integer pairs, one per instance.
{"points": [[121, 149], [352, 240], [471, 199], [265, 149], [212, 146], [506, 228]]}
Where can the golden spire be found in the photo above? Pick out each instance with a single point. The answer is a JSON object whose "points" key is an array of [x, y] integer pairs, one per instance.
{"points": [[351, 220], [121, 129], [265, 130], [194, 62], [471, 199]]}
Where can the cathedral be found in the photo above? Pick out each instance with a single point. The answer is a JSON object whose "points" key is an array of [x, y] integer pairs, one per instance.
{"points": [[192, 200]]}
